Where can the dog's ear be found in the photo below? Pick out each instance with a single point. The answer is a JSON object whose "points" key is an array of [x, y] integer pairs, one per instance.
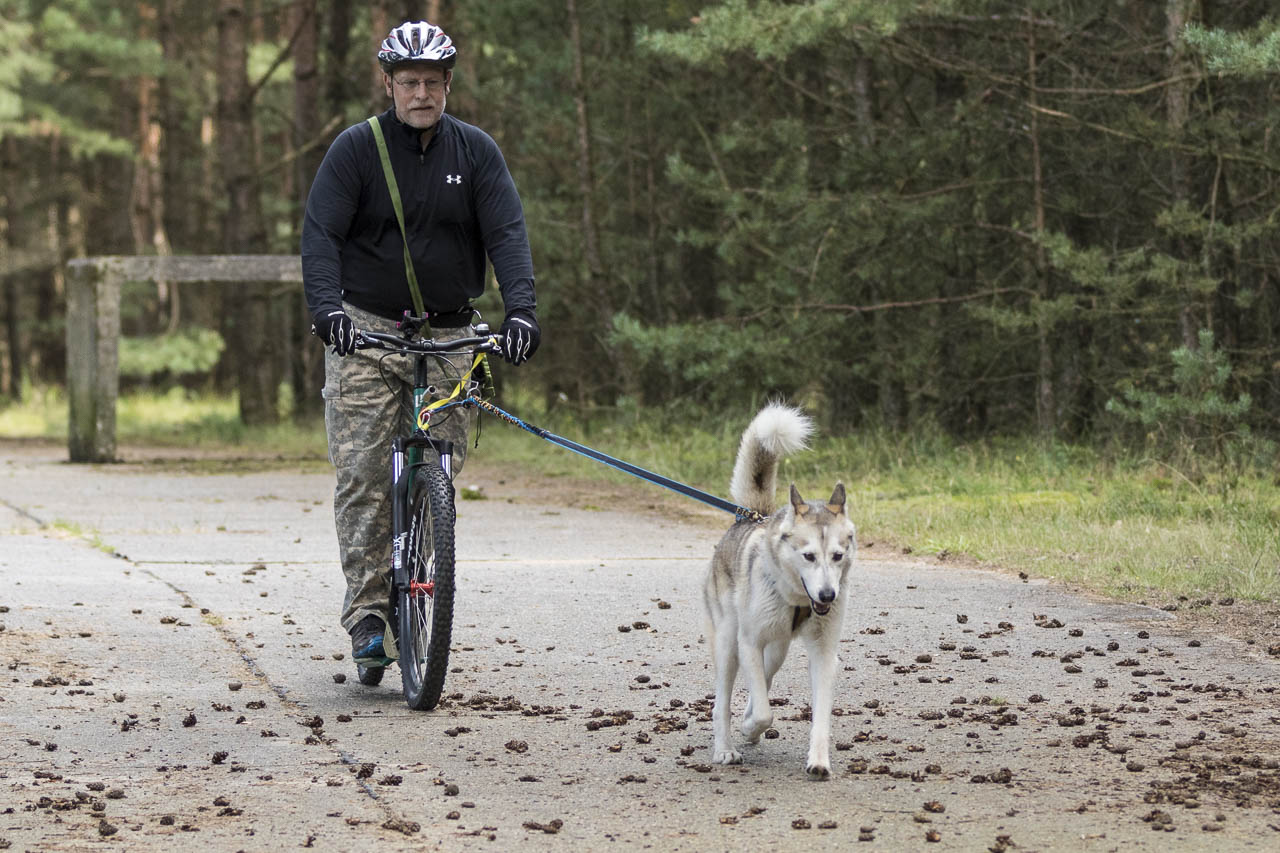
{"points": [[797, 502], [836, 504]]}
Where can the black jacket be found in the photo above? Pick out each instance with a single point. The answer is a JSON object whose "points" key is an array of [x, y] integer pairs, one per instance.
{"points": [[459, 204]]}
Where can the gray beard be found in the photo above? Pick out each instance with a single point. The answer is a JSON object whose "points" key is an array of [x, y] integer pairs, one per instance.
{"points": [[440, 112]]}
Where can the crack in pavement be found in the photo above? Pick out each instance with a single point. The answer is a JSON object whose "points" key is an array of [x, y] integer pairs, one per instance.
{"points": [[22, 512], [281, 692]]}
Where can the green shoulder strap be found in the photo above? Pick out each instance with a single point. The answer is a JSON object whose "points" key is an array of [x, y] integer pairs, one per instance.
{"points": [[414, 292]]}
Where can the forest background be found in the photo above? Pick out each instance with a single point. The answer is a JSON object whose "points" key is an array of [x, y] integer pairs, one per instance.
{"points": [[1055, 217], [1031, 244]]}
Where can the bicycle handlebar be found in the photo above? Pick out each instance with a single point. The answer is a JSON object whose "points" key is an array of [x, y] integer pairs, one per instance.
{"points": [[395, 343]]}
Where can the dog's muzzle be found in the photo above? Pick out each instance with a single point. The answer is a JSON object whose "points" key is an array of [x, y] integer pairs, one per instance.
{"points": [[820, 603]]}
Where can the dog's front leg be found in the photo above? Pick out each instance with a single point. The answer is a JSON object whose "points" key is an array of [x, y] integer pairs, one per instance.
{"points": [[725, 658], [759, 716], [823, 664]]}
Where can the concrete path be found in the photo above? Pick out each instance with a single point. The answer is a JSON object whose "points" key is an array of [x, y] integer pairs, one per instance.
{"points": [[174, 674]]}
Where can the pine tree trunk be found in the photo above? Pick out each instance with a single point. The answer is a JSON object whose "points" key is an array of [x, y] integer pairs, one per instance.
{"points": [[242, 228], [1269, 337], [188, 177], [380, 24], [13, 221], [149, 234], [1046, 408], [252, 338], [306, 360], [170, 117], [337, 42], [652, 215], [12, 387], [140, 197], [50, 351], [891, 394], [596, 288], [1177, 113]]}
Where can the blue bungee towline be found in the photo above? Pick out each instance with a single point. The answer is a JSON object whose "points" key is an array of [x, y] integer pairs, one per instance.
{"points": [[740, 513]]}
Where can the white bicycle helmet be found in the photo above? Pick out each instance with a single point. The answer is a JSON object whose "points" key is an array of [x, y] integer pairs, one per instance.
{"points": [[417, 41]]}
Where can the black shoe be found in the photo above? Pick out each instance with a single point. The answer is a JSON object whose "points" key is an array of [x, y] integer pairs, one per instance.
{"points": [[370, 676], [366, 642]]}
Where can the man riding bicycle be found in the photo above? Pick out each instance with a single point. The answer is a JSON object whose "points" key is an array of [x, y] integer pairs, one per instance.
{"points": [[363, 268]]}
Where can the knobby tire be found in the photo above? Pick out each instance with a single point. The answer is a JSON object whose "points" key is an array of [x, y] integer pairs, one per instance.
{"points": [[426, 621]]}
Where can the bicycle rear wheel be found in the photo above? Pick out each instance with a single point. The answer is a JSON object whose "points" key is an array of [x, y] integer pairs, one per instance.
{"points": [[426, 604]]}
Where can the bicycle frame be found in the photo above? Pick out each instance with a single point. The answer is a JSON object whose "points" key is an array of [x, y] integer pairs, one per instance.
{"points": [[410, 452], [407, 454]]}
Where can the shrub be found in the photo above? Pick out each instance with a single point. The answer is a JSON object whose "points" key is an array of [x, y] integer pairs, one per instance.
{"points": [[187, 352]]}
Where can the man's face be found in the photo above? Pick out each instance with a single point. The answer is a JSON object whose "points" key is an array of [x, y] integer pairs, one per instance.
{"points": [[419, 94]]}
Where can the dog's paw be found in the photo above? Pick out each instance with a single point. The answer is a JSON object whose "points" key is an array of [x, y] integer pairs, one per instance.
{"points": [[727, 756], [754, 727], [818, 771]]}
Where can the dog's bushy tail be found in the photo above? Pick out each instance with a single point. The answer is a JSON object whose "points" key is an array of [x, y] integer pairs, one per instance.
{"points": [[776, 431]]}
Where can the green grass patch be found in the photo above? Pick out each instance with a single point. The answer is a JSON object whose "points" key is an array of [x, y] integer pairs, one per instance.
{"points": [[41, 414], [173, 418], [1132, 529], [90, 537]]}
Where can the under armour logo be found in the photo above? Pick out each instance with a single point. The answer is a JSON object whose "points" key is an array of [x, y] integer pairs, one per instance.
{"points": [[453, 179]]}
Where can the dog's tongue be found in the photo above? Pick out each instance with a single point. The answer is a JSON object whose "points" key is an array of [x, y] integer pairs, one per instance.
{"points": [[820, 609]]}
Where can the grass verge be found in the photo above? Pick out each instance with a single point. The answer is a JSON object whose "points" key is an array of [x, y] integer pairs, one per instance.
{"points": [[1133, 529], [174, 418]]}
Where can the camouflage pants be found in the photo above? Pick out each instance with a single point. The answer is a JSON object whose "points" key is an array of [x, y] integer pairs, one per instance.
{"points": [[362, 415]]}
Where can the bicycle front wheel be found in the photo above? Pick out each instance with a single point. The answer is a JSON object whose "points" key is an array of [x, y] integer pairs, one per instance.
{"points": [[426, 603]]}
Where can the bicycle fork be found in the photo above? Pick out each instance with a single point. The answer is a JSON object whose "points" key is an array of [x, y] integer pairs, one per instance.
{"points": [[406, 457]]}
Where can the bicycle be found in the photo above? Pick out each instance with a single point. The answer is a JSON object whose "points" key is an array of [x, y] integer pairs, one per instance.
{"points": [[423, 513]]}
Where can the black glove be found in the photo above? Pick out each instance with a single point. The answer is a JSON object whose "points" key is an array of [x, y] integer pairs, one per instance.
{"points": [[336, 330], [519, 336]]}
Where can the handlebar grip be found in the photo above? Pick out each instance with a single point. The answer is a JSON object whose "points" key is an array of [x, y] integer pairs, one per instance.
{"points": [[395, 343]]}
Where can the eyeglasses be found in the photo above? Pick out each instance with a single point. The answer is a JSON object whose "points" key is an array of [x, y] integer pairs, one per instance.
{"points": [[434, 87]]}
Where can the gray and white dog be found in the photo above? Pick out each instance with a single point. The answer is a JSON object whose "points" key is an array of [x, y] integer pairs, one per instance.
{"points": [[776, 580]]}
